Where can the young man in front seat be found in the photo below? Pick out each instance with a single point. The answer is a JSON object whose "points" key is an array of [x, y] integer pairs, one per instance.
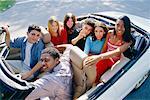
{"points": [[79, 38], [31, 47]]}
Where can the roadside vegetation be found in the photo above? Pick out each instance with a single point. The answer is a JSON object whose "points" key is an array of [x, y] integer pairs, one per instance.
{"points": [[6, 4]]}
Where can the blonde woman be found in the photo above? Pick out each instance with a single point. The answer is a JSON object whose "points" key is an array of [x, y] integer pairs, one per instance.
{"points": [[56, 32]]}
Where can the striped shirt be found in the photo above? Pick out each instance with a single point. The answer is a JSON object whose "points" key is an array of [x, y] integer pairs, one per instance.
{"points": [[112, 47]]}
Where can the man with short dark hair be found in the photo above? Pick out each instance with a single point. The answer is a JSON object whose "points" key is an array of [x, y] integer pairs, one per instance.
{"points": [[56, 79], [80, 37], [31, 47]]}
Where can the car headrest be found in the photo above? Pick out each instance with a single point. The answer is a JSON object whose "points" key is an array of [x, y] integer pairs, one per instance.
{"points": [[77, 56]]}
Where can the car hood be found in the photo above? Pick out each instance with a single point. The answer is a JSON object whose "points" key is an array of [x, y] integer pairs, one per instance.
{"points": [[143, 23]]}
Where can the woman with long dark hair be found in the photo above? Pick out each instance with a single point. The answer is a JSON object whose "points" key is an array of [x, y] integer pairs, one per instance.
{"points": [[69, 26], [95, 41]]}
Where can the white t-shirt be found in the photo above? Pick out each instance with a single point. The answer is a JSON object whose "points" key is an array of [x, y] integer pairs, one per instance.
{"points": [[28, 53]]}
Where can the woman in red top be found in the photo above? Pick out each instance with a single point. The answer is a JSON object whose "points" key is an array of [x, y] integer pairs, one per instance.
{"points": [[56, 32], [116, 43]]}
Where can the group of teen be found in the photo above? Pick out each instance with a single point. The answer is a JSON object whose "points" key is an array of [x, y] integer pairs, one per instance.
{"points": [[103, 47], [89, 37]]}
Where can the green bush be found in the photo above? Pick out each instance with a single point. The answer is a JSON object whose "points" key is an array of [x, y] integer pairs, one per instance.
{"points": [[6, 4]]}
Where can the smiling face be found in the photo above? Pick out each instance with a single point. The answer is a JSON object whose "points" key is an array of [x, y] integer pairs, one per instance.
{"points": [[69, 23], [119, 27], [48, 62], [99, 32], [33, 36], [87, 29], [54, 26]]}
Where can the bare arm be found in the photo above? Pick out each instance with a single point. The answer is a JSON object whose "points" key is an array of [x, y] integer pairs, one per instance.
{"points": [[32, 71], [80, 36], [46, 38], [7, 38], [119, 50], [91, 60], [45, 35], [104, 49]]}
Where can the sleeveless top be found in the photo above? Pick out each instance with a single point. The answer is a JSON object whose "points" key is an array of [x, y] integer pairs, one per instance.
{"points": [[112, 47]]}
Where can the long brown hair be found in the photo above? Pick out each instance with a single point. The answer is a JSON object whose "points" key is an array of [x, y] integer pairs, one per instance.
{"points": [[66, 18], [127, 37], [50, 21], [102, 25]]}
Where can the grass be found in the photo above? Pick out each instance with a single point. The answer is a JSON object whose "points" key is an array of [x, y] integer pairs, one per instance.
{"points": [[6, 4]]}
